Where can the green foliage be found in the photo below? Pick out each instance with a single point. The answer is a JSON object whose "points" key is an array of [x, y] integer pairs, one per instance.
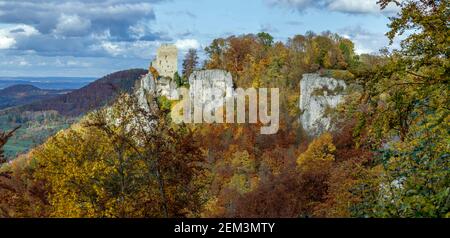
{"points": [[339, 74], [35, 129], [180, 81], [4, 137], [265, 39], [407, 116], [164, 103], [326, 91]]}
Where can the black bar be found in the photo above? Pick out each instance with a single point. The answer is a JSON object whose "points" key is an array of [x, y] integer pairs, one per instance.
{"points": [[226, 227]]}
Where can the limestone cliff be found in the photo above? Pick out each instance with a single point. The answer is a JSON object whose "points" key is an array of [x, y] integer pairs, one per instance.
{"points": [[317, 96], [161, 87], [167, 87], [146, 86], [210, 87]]}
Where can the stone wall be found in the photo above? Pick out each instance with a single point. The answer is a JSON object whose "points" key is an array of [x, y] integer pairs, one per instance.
{"points": [[166, 62]]}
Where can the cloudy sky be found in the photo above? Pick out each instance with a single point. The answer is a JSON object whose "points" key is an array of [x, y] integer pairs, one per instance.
{"points": [[89, 38]]}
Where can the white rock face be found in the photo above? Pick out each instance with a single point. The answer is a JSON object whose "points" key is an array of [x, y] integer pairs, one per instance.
{"points": [[162, 87], [147, 85], [317, 94], [209, 88], [167, 87]]}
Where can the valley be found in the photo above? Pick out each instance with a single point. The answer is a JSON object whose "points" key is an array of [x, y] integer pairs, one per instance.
{"points": [[42, 113], [21, 94]]}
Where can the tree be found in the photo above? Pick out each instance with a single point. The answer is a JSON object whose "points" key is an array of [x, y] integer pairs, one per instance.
{"points": [[4, 137], [319, 155], [190, 63], [265, 39], [22, 195], [284, 196], [406, 103], [216, 51], [122, 161], [294, 191], [347, 47], [243, 179], [82, 174], [178, 80]]}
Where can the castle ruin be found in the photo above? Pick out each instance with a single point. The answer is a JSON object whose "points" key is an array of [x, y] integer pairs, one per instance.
{"points": [[166, 62]]}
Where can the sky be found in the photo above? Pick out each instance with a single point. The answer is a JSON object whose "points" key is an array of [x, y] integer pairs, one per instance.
{"points": [[85, 38]]}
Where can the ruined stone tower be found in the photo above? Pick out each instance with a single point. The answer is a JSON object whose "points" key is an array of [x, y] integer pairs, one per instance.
{"points": [[166, 62]]}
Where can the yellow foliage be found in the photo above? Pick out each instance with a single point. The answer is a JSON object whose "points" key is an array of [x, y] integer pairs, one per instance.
{"points": [[154, 72], [319, 153], [75, 162]]}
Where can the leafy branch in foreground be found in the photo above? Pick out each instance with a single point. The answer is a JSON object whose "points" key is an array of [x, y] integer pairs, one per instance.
{"points": [[4, 137], [123, 161]]}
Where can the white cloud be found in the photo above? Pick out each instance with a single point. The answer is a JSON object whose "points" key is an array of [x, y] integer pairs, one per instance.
{"points": [[6, 42], [72, 25], [344, 6], [358, 6], [296, 3], [112, 48], [137, 49], [187, 44], [143, 49], [77, 63], [9, 33], [24, 63], [22, 30], [367, 41], [16, 61], [354, 6], [78, 27]]}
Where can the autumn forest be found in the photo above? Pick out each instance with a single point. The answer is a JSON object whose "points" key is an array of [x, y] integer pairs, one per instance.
{"points": [[387, 156]]}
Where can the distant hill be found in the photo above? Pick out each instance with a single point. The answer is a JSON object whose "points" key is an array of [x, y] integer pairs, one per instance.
{"points": [[41, 119], [25, 94], [65, 83], [90, 97]]}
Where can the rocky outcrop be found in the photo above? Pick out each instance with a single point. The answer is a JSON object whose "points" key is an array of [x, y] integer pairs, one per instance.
{"points": [[147, 86], [317, 96], [167, 87], [161, 87], [210, 87], [207, 88]]}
